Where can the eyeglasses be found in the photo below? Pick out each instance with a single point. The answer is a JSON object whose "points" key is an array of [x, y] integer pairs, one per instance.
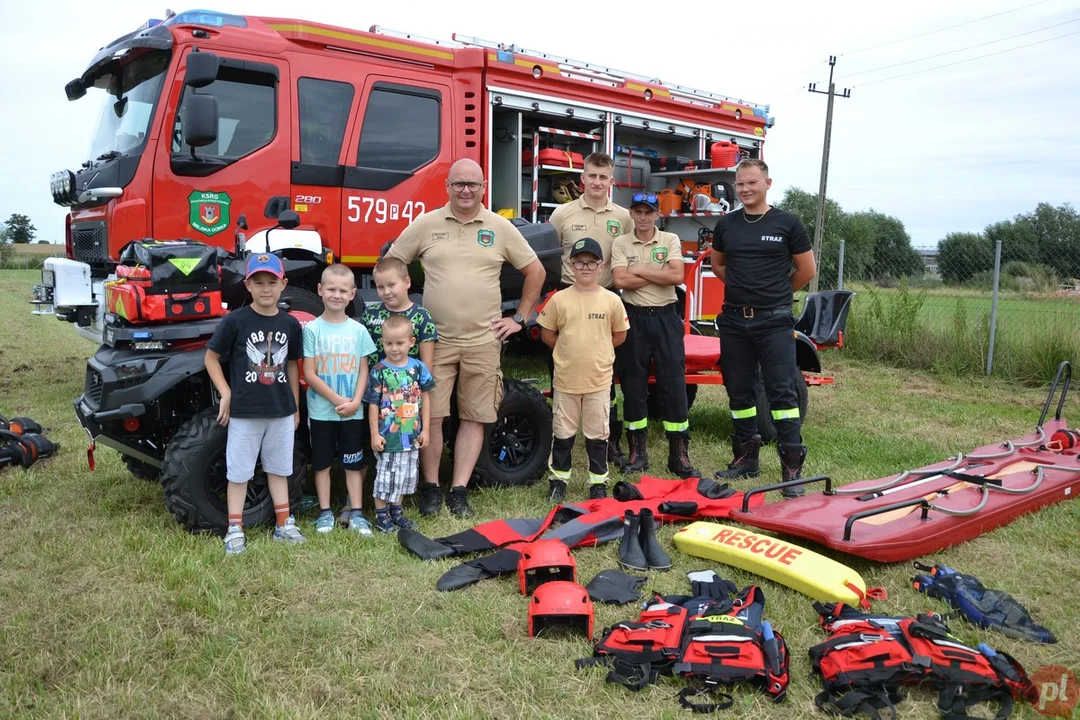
{"points": [[473, 186], [642, 197], [586, 264], [752, 183]]}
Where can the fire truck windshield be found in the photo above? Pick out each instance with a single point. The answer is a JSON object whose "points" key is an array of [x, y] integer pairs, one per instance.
{"points": [[127, 107]]}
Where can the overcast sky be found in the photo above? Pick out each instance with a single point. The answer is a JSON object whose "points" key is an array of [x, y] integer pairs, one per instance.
{"points": [[951, 149]]}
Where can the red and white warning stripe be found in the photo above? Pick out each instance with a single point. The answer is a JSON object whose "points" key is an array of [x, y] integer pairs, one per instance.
{"points": [[570, 133], [536, 172]]}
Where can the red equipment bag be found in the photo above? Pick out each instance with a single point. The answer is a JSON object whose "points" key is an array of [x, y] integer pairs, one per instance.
{"points": [[867, 658], [138, 304], [558, 158]]}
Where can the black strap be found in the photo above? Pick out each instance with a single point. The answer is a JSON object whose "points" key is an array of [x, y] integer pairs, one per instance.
{"points": [[954, 701], [860, 701], [724, 701], [633, 676]]}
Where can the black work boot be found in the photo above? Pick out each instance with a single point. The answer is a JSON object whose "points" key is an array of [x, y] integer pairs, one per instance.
{"points": [[430, 498], [556, 491], [638, 461], [744, 461], [597, 490], [655, 557], [458, 502], [791, 462], [615, 454], [631, 554], [678, 462]]}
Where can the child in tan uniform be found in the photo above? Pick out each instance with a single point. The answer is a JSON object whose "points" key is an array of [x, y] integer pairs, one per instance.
{"points": [[582, 324]]}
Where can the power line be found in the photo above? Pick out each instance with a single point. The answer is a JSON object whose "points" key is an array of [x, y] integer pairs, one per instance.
{"points": [[961, 62], [970, 47], [950, 27]]}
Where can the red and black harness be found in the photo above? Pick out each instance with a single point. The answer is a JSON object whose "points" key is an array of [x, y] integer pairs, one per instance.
{"points": [[867, 658], [718, 642]]}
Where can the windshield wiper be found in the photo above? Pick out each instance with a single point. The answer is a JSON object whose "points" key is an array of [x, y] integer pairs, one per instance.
{"points": [[111, 155]]}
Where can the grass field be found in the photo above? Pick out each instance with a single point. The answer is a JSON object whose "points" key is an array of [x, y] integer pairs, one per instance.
{"points": [[109, 609]]}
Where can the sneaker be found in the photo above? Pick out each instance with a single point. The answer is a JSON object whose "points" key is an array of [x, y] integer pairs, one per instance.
{"points": [[385, 524], [597, 491], [289, 533], [403, 522], [458, 502], [359, 524], [325, 522], [556, 491], [430, 498], [235, 540]]}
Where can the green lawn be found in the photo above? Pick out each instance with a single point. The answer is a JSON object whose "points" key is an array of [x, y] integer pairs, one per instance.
{"points": [[109, 608]]}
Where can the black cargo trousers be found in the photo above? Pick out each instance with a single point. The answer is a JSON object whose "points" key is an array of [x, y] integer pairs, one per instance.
{"points": [[751, 338], [655, 339]]}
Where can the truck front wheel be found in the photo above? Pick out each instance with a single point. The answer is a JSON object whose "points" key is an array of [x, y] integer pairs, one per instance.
{"points": [[194, 483]]}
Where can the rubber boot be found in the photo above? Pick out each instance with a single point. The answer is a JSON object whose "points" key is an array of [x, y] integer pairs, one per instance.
{"points": [[745, 459], [791, 462], [615, 454], [678, 462], [631, 554], [655, 557], [638, 460]]}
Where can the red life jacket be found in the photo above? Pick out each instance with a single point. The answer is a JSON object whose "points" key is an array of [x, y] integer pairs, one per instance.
{"points": [[867, 658]]}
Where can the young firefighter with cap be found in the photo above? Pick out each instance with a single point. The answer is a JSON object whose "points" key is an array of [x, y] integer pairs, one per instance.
{"points": [[595, 216], [647, 264], [753, 251], [582, 324]]}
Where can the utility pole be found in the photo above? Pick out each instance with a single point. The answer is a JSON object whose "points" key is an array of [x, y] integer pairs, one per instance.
{"points": [[819, 223]]}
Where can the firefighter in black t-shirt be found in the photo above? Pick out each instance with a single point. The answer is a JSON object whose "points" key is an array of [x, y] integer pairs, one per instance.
{"points": [[753, 251]]}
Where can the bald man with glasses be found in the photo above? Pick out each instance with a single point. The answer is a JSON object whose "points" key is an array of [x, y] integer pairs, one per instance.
{"points": [[463, 246]]}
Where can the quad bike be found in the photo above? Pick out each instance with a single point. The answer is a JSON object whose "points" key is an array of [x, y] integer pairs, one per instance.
{"points": [[147, 395]]}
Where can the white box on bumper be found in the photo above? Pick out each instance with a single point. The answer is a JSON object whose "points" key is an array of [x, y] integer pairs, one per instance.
{"points": [[68, 291]]}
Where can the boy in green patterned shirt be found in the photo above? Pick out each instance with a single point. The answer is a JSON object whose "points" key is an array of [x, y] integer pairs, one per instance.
{"points": [[392, 281]]}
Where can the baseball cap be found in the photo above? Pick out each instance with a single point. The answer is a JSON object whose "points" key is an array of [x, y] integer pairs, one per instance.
{"points": [[264, 262], [587, 245], [646, 199]]}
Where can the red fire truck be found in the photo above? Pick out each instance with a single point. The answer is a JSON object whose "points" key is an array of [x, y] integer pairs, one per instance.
{"points": [[206, 116]]}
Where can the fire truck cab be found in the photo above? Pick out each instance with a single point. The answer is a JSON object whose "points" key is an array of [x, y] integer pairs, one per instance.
{"points": [[205, 116]]}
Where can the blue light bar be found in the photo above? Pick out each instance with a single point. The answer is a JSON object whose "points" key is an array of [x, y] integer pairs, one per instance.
{"points": [[142, 335], [206, 17]]}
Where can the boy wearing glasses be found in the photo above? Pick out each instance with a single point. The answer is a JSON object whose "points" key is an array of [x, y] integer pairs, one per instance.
{"points": [[647, 264], [582, 324], [463, 247]]}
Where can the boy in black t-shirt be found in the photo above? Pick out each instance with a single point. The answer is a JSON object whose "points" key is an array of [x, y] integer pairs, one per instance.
{"points": [[260, 402]]}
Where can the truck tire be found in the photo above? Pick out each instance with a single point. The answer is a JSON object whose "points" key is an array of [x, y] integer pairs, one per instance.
{"points": [[141, 470], [194, 484], [302, 300], [516, 446], [764, 416]]}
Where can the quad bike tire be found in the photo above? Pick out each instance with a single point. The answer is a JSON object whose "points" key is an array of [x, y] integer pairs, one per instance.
{"points": [[194, 483], [764, 416], [142, 470], [302, 300], [516, 446]]}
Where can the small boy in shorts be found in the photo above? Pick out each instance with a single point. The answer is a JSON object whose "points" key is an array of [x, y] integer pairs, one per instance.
{"points": [[582, 324], [260, 401], [397, 396], [392, 281], [336, 348]]}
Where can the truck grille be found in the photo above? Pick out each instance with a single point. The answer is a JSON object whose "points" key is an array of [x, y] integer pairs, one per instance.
{"points": [[89, 242], [93, 390]]}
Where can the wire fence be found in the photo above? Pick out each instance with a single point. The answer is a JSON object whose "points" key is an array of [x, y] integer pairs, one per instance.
{"points": [[964, 308]]}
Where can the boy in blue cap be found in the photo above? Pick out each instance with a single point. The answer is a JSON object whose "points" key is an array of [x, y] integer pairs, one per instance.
{"points": [[260, 401]]}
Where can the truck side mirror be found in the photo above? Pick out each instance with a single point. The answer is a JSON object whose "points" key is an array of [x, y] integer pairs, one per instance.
{"points": [[288, 219], [202, 69], [199, 120]]}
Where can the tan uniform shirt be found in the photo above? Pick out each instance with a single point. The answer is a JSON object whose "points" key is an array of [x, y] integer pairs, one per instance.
{"points": [[585, 321], [462, 263], [664, 247], [576, 220]]}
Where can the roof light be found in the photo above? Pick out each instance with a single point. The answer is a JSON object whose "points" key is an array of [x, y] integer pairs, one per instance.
{"points": [[208, 18]]}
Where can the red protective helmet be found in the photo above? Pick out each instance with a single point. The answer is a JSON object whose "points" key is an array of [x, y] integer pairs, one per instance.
{"points": [[561, 604], [543, 561]]}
